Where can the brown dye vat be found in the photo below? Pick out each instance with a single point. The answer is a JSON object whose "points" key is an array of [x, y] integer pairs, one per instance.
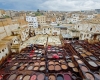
{"points": [[31, 63], [26, 77], [56, 62], [75, 56], [98, 62], [16, 63], [88, 53], [51, 67], [57, 68], [62, 61], [71, 64], [30, 67], [22, 67], [83, 55], [41, 76], [36, 64], [89, 76], [51, 62], [36, 68], [84, 51], [13, 68], [19, 77], [75, 70], [84, 68], [64, 67], [80, 61], [12, 77], [25, 64], [42, 68], [52, 77], [42, 59], [42, 63]]}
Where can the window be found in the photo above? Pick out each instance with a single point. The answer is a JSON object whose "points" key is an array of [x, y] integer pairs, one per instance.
{"points": [[2, 50], [87, 35], [78, 26], [90, 29], [84, 35]]}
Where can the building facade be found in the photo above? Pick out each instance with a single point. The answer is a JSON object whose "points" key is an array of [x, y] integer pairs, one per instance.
{"points": [[32, 21], [41, 20]]}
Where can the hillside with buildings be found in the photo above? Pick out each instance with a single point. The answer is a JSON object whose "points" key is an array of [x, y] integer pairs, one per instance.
{"points": [[68, 40]]}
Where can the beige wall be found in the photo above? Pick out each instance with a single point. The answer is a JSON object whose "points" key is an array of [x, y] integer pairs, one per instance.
{"points": [[41, 19]]}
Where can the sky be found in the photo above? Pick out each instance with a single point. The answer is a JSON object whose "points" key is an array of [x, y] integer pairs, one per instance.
{"points": [[56, 5]]}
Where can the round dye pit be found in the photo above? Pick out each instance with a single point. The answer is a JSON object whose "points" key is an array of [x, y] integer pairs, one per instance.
{"points": [[33, 77], [63, 66], [30, 67], [27, 77], [60, 77], [51, 62], [51, 67], [40, 77], [57, 67], [12, 77], [42, 68], [52, 77], [67, 77], [84, 68], [70, 64], [19, 77], [89, 76]]}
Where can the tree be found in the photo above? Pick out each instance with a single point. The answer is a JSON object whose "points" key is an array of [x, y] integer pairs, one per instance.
{"points": [[6, 16], [70, 23], [58, 24]]}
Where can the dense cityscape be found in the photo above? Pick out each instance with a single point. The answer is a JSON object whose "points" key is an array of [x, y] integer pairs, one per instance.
{"points": [[50, 45]]}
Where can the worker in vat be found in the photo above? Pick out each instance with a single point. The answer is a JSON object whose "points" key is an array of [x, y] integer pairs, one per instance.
{"points": [[32, 46]]}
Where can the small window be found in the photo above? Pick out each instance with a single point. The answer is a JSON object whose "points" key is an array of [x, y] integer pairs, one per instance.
{"points": [[2, 50], [87, 35], [90, 29], [78, 26]]}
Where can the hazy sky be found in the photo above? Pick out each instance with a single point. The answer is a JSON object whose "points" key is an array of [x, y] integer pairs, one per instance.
{"points": [[60, 5]]}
